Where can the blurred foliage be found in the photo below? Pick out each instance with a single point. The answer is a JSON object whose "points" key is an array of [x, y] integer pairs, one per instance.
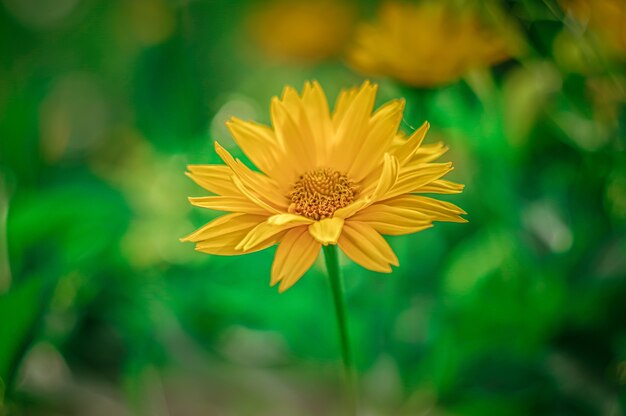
{"points": [[103, 311]]}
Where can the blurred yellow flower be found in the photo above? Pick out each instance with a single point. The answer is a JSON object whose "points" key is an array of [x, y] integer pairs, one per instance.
{"points": [[305, 30], [607, 17], [342, 179], [425, 44]]}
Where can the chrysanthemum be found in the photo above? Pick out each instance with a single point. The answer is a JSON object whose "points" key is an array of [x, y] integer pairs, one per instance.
{"points": [[302, 30], [341, 179], [425, 44]]}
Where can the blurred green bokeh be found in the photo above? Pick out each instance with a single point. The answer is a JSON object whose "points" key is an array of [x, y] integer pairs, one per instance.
{"points": [[102, 311]]}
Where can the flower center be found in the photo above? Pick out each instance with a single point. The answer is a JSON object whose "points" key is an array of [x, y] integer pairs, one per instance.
{"points": [[320, 192]]}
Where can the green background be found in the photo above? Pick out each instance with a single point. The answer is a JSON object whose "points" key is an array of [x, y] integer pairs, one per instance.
{"points": [[103, 312]]}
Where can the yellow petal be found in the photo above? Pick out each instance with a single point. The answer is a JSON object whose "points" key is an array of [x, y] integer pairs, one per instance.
{"points": [[353, 127], [441, 186], [262, 232], [326, 231], [383, 127], [438, 210], [366, 247], [257, 184], [226, 224], [258, 142], [228, 203], [350, 210], [394, 228], [428, 153], [406, 152], [224, 245], [411, 179], [388, 178], [344, 101], [213, 178], [290, 138], [295, 254], [392, 220], [315, 102], [390, 212], [254, 197], [282, 219], [299, 114]]}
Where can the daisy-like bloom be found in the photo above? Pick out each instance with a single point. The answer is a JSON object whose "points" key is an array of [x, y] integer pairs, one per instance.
{"points": [[425, 44], [342, 179], [606, 17], [302, 30]]}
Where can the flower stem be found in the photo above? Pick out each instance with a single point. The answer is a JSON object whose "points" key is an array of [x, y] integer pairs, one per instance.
{"points": [[336, 284]]}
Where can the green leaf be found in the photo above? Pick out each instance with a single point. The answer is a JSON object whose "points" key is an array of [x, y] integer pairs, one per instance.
{"points": [[20, 309]]}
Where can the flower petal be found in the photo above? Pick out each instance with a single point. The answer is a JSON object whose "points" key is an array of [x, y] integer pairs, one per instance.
{"points": [[383, 126], [366, 247], [394, 228], [290, 138], [441, 186], [412, 178], [408, 149], [428, 153], [253, 196], [258, 142], [260, 186], [224, 245], [388, 211], [295, 254], [353, 126], [213, 178], [349, 210], [225, 224], [299, 114], [327, 231], [228, 203], [282, 219], [388, 178], [393, 220], [316, 105], [344, 101], [436, 209], [262, 232]]}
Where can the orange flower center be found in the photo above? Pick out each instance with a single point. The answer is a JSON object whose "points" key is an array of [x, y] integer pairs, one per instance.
{"points": [[320, 192]]}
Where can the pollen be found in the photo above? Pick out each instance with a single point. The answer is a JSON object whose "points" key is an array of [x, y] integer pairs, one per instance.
{"points": [[318, 193]]}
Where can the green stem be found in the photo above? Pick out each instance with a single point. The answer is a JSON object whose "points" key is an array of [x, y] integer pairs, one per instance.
{"points": [[336, 284]]}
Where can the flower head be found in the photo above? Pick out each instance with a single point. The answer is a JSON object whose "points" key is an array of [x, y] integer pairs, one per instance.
{"points": [[606, 17], [342, 179], [302, 30], [425, 44]]}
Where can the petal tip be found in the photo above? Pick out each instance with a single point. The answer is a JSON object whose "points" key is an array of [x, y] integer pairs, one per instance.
{"points": [[284, 286], [231, 123]]}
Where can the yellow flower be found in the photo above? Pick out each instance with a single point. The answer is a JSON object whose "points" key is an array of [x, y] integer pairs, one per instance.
{"points": [[342, 179], [607, 17], [425, 44], [305, 30]]}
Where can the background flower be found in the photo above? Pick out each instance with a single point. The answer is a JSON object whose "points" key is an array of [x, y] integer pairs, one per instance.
{"points": [[605, 17], [429, 43], [301, 30]]}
